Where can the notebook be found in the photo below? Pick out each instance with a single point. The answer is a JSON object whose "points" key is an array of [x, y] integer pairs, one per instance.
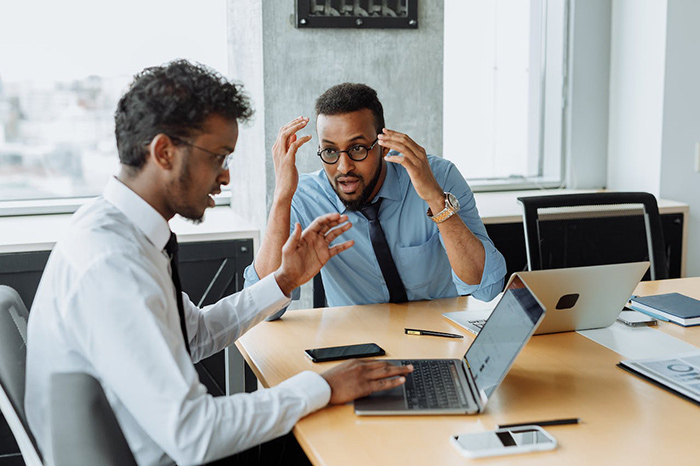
{"points": [[675, 307], [576, 298], [463, 386]]}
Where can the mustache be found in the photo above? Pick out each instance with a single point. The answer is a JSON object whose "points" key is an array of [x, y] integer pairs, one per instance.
{"points": [[348, 175]]}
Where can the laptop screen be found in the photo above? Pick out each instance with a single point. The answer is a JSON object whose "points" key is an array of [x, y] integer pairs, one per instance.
{"points": [[504, 334]]}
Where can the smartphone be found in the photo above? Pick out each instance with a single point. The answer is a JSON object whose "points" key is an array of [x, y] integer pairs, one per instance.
{"points": [[634, 318], [344, 352], [504, 441]]}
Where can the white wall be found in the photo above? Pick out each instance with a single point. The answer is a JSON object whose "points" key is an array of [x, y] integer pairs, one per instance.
{"points": [[681, 118], [638, 53], [655, 105]]}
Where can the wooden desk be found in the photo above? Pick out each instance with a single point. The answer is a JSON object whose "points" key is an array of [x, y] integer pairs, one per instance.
{"points": [[625, 419]]}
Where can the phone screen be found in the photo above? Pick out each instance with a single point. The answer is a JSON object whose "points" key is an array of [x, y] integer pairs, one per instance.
{"points": [[344, 352], [503, 438]]}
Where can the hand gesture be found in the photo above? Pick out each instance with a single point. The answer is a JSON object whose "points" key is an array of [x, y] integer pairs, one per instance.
{"points": [[415, 161], [284, 153], [306, 252], [358, 378]]}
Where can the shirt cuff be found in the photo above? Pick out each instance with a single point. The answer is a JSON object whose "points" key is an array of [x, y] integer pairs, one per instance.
{"points": [[311, 386], [269, 295]]}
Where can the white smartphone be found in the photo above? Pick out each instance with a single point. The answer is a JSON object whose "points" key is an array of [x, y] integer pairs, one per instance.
{"points": [[633, 318], [504, 441]]}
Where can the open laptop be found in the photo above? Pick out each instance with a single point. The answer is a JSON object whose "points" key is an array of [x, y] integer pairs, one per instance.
{"points": [[463, 386], [576, 298]]}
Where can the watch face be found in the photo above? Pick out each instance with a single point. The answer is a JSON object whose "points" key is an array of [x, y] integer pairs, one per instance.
{"points": [[453, 201]]}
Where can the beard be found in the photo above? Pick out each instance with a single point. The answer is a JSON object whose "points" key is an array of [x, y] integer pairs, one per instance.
{"points": [[361, 201], [182, 207]]}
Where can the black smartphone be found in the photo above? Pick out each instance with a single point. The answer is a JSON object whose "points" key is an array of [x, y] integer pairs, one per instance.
{"points": [[344, 352]]}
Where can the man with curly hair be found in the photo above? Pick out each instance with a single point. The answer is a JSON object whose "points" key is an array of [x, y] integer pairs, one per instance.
{"points": [[109, 303], [417, 232]]}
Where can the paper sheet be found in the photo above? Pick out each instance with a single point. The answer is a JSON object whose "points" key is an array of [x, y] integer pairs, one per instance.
{"points": [[638, 342]]}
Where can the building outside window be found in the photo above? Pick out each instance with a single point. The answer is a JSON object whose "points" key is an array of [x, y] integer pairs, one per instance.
{"points": [[63, 71]]}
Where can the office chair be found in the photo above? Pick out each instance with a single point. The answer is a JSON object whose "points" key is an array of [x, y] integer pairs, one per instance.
{"points": [[84, 429], [13, 360], [574, 230]]}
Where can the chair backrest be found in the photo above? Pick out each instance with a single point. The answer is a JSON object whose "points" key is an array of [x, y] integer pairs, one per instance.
{"points": [[13, 364], [574, 230], [84, 429]]}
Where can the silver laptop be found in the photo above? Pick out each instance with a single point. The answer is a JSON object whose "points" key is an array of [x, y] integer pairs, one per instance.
{"points": [[576, 298], [463, 386]]}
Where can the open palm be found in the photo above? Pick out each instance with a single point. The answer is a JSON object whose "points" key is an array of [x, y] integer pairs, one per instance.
{"points": [[306, 252]]}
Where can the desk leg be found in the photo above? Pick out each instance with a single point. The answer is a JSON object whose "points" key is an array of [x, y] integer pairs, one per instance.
{"points": [[239, 376]]}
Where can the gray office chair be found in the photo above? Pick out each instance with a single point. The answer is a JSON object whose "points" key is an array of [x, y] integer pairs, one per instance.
{"points": [[575, 230], [84, 430], [13, 360]]}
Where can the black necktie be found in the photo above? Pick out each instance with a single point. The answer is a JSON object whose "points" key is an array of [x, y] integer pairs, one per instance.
{"points": [[397, 292], [172, 249]]}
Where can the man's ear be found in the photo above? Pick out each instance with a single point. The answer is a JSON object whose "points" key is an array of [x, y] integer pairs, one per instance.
{"points": [[385, 151], [162, 151]]}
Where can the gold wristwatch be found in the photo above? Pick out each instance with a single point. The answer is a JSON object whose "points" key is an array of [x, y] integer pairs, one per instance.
{"points": [[451, 208]]}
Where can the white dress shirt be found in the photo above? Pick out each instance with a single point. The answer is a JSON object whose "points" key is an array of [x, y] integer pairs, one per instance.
{"points": [[106, 306]]}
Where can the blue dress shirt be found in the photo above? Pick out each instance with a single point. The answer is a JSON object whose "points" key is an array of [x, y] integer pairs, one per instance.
{"points": [[354, 276]]}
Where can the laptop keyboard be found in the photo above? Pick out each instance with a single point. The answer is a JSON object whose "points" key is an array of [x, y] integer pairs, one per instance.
{"points": [[478, 323], [431, 385]]}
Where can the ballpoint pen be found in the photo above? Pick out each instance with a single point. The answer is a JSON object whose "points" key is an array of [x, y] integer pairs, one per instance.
{"points": [[432, 333], [554, 422]]}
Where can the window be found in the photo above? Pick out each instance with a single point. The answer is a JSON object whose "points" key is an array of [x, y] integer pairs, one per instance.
{"points": [[64, 66], [504, 88]]}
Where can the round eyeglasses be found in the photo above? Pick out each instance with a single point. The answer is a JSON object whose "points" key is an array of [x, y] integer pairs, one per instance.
{"points": [[357, 153]]}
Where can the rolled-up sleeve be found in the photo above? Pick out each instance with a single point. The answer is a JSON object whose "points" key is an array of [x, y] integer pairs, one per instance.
{"points": [[494, 264]]}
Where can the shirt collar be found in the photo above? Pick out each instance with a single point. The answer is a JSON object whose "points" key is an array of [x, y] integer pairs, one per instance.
{"points": [[391, 187], [138, 211]]}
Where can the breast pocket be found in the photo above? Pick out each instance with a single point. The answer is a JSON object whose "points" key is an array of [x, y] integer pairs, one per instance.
{"points": [[424, 269]]}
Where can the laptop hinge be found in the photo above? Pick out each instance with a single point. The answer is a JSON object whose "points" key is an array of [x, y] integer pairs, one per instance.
{"points": [[473, 391]]}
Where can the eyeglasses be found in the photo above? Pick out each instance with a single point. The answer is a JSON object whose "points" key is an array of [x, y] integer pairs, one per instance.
{"points": [[357, 153], [223, 159]]}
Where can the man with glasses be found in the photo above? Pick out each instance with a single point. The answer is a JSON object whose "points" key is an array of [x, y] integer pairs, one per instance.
{"points": [[110, 303], [416, 229]]}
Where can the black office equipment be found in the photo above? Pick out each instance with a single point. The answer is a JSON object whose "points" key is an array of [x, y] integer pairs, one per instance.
{"points": [[574, 230]]}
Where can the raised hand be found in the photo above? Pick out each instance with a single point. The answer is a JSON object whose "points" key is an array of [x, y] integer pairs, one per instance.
{"points": [[306, 252], [358, 378], [415, 160], [284, 153]]}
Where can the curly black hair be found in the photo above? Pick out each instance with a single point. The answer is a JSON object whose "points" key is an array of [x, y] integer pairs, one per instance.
{"points": [[351, 97], [175, 99]]}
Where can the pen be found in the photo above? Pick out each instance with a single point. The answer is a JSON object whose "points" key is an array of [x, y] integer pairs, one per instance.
{"points": [[554, 422], [415, 331]]}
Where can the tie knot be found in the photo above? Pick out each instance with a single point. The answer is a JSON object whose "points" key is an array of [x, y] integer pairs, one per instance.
{"points": [[171, 246], [371, 211]]}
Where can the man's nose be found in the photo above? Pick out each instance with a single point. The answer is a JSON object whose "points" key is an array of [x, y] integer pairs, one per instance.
{"points": [[345, 163], [224, 177]]}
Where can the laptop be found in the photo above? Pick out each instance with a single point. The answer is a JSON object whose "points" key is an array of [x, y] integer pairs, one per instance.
{"points": [[576, 298], [463, 386]]}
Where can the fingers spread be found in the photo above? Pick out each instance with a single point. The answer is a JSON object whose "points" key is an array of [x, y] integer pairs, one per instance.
{"points": [[297, 143], [341, 247], [334, 233]]}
